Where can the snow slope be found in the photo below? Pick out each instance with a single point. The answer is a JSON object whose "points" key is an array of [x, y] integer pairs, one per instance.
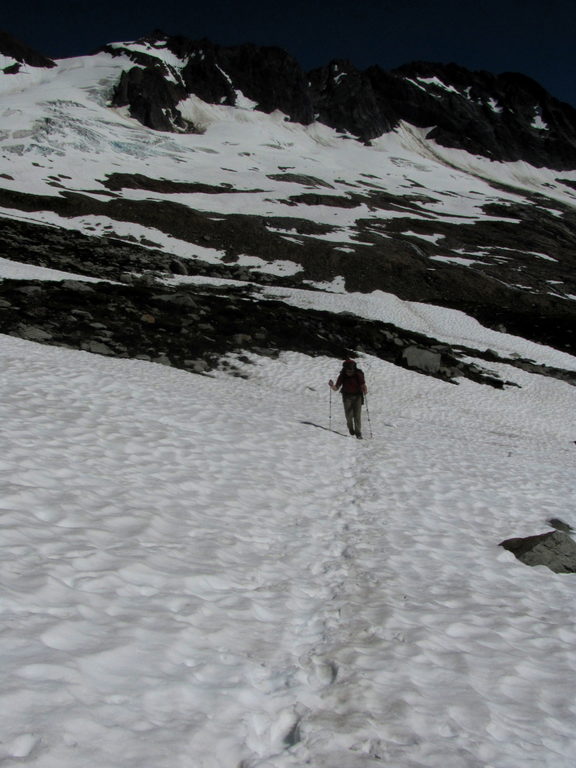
{"points": [[196, 572], [59, 133]]}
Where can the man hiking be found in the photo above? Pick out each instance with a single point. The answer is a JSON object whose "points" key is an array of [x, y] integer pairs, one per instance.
{"points": [[351, 380]]}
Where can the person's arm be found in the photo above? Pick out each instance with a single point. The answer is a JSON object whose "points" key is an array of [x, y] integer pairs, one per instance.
{"points": [[363, 386]]}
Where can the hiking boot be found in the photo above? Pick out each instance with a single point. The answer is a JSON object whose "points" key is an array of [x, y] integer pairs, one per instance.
{"points": [[359, 435]]}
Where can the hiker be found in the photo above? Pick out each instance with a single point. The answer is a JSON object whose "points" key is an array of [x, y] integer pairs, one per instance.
{"points": [[351, 380]]}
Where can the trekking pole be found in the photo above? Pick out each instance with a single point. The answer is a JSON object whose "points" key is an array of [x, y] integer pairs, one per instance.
{"points": [[330, 411], [368, 414]]}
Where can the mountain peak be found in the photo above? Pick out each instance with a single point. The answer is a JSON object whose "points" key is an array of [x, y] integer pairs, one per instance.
{"points": [[505, 117], [20, 54]]}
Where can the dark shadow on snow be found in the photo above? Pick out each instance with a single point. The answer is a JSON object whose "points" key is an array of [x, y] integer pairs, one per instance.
{"points": [[319, 426]]}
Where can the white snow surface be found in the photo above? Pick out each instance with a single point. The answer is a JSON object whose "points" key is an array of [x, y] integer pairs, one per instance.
{"points": [[15, 270], [197, 572]]}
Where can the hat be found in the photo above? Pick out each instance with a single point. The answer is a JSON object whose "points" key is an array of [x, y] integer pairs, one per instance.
{"points": [[349, 364]]}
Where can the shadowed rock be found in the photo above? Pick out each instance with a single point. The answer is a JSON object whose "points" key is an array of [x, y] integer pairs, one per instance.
{"points": [[23, 54], [152, 99], [556, 549]]}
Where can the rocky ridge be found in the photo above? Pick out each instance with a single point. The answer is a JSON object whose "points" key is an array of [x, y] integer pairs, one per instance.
{"points": [[22, 55], [503, 117]]}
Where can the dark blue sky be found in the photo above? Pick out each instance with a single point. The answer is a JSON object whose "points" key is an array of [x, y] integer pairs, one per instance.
{"points": [[535, 37]]}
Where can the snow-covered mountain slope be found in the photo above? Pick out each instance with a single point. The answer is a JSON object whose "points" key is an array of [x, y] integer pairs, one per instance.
{"points": [[287, 203], [502, 117], [196, 571]]}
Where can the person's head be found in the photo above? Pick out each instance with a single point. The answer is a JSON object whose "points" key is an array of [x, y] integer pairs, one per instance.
{"points": [[349, 367]]}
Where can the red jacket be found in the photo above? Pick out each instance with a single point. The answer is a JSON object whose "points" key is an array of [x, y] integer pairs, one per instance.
{"points": [[353, 384]]}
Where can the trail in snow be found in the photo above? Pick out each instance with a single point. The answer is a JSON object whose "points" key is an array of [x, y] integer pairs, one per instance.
{"points": [[193, 575]]}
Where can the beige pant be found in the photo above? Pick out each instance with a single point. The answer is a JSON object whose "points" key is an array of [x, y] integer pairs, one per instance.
{"points": [[353, 413]]}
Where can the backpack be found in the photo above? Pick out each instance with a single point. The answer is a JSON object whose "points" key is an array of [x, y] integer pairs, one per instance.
{"points": [[357, 377]]}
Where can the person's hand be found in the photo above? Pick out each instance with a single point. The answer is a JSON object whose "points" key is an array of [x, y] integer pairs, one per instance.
{"points": [[330, 383], [364, 389]]}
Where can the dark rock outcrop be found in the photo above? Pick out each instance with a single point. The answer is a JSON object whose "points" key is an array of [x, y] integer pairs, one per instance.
{"points": [[555, 549], [345, 99], [488, 293], [503, 117], [194, 327], [267, 76], [23, 54], [152, 99]]}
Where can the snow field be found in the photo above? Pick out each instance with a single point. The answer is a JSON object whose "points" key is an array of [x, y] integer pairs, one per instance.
{"points": [[192, 575], [15, 270]]}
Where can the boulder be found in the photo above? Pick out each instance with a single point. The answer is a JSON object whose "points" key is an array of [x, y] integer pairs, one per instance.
{"points": [[33, 333], [423, 359], [97, 348], [556, 550]]}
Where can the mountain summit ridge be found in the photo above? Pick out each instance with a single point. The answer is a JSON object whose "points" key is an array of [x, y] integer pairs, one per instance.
{"points": [[506, 117], [21, 54]]}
